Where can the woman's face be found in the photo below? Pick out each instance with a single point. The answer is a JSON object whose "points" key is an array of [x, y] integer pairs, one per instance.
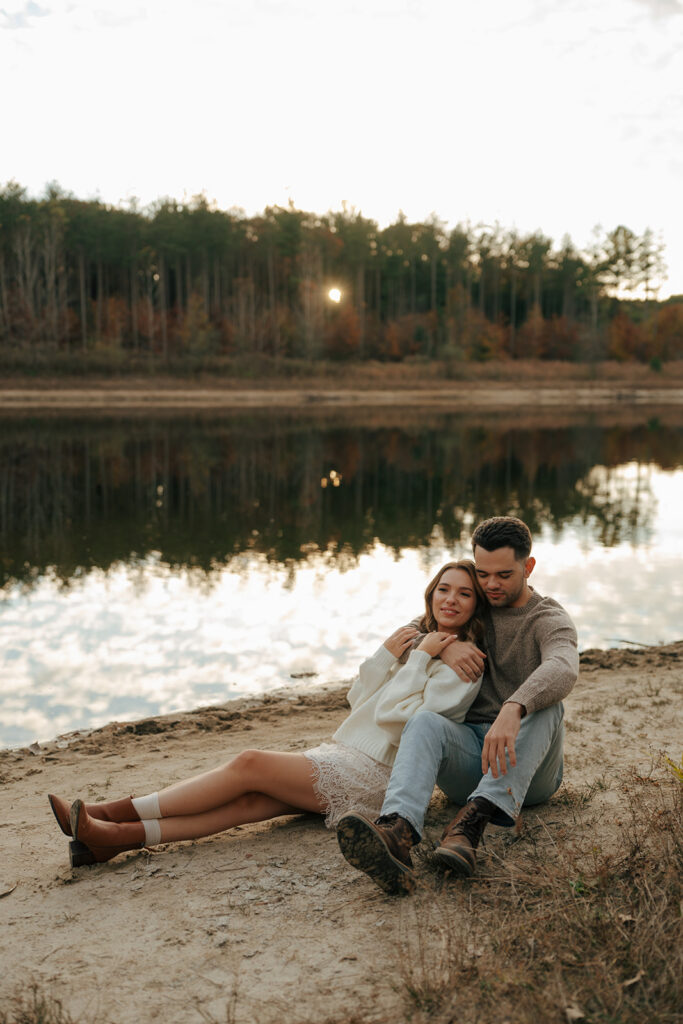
{"points": [[453, 600]]}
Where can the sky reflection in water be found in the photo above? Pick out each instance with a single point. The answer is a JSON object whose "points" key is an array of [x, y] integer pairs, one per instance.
{"points": [[141, 638]]}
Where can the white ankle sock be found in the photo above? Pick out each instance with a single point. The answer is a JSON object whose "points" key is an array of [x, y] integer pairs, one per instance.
{"points": [[152, 832], [147, 806]]}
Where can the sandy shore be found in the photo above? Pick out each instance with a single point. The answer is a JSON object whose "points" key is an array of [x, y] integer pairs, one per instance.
{"points": [[268, 922], [136, 394]]}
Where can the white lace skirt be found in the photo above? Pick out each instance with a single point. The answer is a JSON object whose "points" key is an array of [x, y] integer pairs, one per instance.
{"points": [[348, 780]]}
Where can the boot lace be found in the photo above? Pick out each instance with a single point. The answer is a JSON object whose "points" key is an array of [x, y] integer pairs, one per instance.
{"points": [[387, 819], [471, 825], [400, 827]]}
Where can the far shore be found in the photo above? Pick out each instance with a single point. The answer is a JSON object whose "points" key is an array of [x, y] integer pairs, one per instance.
{"points": [[136, 394]]}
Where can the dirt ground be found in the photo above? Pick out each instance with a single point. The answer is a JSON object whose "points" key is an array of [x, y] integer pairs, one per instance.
{"points": [[268, 922]]}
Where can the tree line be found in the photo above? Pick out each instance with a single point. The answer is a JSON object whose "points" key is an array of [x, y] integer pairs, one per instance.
{"points": [[188, 279]]}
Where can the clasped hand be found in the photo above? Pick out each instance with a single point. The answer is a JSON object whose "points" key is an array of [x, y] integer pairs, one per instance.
{"points": [[435, 643], [465, 659], [400, 641]]}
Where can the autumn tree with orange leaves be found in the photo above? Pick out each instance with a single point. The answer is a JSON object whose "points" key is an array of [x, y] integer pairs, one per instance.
{"points": [[189, 280]]}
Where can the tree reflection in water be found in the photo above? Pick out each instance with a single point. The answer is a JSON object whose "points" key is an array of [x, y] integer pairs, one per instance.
{"points": [[83, 493]]}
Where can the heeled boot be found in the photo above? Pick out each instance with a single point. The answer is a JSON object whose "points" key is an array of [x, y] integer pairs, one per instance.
{"points": [[110, 810], [97, 841]]}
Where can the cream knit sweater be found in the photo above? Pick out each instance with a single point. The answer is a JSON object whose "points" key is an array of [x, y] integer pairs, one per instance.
{"points": [[386, 694]]}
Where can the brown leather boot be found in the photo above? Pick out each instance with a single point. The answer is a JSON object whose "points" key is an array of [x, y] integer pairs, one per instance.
{"points": [[460, 839], [102, 840], [81, 855], [111, 810], [381, 849]]}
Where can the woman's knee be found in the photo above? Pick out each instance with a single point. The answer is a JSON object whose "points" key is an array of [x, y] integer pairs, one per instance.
{"points": [[247, 764]]}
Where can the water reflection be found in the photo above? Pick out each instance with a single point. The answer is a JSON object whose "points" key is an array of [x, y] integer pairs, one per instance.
{"points": [[74, 496], [150, 566]]}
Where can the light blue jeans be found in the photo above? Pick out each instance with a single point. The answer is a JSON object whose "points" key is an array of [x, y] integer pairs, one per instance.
{"points": [[434, 750]]}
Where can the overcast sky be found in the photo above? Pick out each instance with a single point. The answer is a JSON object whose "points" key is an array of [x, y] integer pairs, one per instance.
{"points": [[550, 114]]}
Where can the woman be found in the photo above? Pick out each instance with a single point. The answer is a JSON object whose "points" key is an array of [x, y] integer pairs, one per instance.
{"points": [[353, 770]]}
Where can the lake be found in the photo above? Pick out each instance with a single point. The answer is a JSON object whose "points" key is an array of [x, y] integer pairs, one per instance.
{"points": [[154, 563]]}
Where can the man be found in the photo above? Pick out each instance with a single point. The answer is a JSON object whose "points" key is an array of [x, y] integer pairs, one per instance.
{"points": [[508, 752]]}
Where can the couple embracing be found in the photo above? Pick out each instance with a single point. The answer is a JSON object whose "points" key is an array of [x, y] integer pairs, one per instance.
{"points": [[467, 697]]}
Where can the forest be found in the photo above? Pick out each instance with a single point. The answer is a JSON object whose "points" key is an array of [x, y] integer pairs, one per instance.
{"points": [[180, 283]]}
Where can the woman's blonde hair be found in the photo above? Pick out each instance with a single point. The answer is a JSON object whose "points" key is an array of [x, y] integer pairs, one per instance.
{"points": [[472, 630]]}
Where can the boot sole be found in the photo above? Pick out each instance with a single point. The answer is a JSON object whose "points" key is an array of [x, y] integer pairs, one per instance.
{"points": [[365, 850], [53, 807], [74, 817], [79, 853], [455, 862]]}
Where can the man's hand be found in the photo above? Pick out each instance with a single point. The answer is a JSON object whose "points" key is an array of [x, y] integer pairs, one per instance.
{"points": [[501, 737], [436, 643], [465, 659], [399, 641]]}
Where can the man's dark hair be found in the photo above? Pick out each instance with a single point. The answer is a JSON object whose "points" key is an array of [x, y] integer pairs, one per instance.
{"points": [[503, 532]]}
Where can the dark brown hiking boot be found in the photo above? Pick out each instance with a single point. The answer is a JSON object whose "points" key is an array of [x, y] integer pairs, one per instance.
{"points": [[460, 839], [381, 849]]}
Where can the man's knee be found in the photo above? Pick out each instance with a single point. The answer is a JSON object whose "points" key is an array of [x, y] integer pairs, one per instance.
{"points": [[425, 725], [544, 723], [425, 720], [555, 713]]}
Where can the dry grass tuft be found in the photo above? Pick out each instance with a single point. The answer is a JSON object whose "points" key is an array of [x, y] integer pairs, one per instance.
{"points": [[32, 1006], [559, 924]]}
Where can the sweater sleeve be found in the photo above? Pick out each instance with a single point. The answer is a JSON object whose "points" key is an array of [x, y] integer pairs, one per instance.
{"points": [[371, 675], [423, 684], [558, 671]]}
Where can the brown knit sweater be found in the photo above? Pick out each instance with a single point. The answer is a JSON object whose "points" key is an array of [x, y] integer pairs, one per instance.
{"points": [[531, 657]]}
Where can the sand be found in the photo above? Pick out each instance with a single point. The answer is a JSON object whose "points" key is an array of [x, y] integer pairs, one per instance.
{"points": [[267, 922]]}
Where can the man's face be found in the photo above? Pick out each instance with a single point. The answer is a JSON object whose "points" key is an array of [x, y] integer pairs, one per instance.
{"points": [[502, 577]]}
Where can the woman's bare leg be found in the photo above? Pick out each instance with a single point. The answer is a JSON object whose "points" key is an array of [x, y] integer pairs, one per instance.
{"points": [[244, 809], [287, 778], [105, 839], [186, 802]]}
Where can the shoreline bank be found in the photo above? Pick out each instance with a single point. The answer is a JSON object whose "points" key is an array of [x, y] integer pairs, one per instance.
{"points": [[136, 395]]}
